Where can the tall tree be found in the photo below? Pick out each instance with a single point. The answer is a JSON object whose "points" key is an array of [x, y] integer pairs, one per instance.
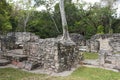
{"points": [[22, 10], [64, 22], [42, 25], [110, 8], [49, 5]]}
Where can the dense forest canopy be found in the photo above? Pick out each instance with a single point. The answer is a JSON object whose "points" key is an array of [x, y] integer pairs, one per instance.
{"points": [[96, 19]]}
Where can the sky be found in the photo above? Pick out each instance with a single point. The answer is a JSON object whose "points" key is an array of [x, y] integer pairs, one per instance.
{"points": [[116, 6], [92, 2], [89, 1]]}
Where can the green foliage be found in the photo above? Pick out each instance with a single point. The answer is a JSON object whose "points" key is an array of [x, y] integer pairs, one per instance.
{"points": [[6, 26], [42, 25], [110, 31], [116, 27], [82, 21], [5, 10], [100, 29], [90, 30]]}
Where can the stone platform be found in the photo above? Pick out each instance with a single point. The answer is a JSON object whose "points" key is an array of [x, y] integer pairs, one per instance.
{"points": [[17, 57], [4, 62]]}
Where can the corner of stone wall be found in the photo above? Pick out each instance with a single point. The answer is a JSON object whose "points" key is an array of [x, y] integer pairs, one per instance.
{"points": [[67, 57]]}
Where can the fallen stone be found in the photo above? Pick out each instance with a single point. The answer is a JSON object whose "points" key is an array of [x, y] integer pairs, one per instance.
{"points": [[31, 65], [21, 65]]}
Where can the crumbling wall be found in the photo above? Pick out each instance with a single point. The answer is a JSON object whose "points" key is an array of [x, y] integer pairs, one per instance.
{"points": [[16, 40], [112, 39], [92, 46], [52, 55], [49, 54], [21, 37], [68, 57], [77, 38]]}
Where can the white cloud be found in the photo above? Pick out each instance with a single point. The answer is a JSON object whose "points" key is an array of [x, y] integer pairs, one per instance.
{"points": [[117, 5], [92, 1], [89, 1], [41, 8]]}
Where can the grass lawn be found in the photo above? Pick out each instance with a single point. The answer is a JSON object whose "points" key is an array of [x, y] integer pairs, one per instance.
{"points": [[82, 73], [88, 55]]}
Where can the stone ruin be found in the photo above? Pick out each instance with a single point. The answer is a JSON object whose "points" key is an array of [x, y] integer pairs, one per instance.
{"points": [[29, 52], [94, 45], [52, 55], [77, 38], [108, 47]]}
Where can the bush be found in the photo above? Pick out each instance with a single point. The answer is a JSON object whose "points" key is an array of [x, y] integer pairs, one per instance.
{"points": [[100, 29]]}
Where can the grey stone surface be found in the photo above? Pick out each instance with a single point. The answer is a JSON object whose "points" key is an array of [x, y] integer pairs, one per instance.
{"points": [[77, 38], [93, 46], [106, 45], [106, 58], [52, 55], [108, 41], [4, 62], [16, 40], [91, 62]]}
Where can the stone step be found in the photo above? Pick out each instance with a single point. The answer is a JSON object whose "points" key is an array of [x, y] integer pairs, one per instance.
{"points": [[4, 62], [27, 65], [16, 51], [90, 62], [17, 57]]}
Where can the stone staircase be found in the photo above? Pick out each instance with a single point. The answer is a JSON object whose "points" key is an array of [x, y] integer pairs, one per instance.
{"points": [[18, 59], [12, 57], [3, 61]]}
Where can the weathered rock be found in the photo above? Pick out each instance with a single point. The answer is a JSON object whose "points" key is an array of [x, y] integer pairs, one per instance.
{"points": [[16, 57], [77, 38], [30, 65], [21, 65], [110, 41], [4, 62], [49, 54], [103, 56], [16, 40], [52, 55], [93, 46]]}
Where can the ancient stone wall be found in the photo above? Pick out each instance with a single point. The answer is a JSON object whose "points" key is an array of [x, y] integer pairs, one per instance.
{"points": [[52, 55], [21, 37], [16, 40], [77, 38], [68, 57], [93, 46], [105, 41], [49, 54]]}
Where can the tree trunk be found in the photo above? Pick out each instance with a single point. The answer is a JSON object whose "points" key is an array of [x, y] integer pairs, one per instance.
{"points": [[64, 22]]}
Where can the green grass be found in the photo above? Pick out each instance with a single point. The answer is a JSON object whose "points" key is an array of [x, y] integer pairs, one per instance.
{"points": [[14, 74], [82, 73], [88, 55]]}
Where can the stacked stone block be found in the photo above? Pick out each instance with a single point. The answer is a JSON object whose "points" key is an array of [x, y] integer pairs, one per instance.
{"points": [[52, 55]]}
